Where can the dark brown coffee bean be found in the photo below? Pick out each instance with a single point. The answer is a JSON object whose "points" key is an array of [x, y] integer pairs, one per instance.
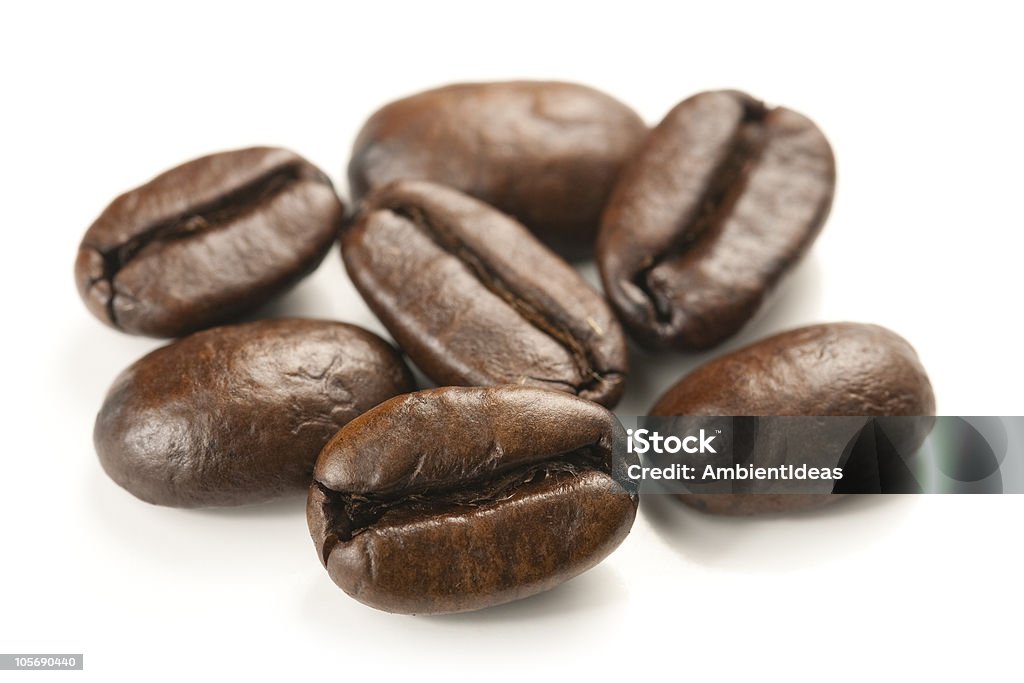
{"points": [[475, 299], [834, 369], [455, 499], [238, 414], [723, 197], [546, 153], [207, 241]]}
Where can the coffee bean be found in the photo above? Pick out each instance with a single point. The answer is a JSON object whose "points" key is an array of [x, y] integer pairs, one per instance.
{"points": [[238, 414], [546, 153], [475, 299], [723, 197], [833, 369], [207, 241], [455, 499]]}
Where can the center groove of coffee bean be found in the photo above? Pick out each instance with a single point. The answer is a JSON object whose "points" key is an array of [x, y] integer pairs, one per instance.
{"points": [[217, 213], [724, 189], [350, 514], [446, 238]]}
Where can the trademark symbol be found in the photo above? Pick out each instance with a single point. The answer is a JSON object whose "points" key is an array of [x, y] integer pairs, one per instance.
{"points": [[718, 431]]}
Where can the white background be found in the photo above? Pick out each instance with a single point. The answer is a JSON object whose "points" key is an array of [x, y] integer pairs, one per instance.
{"points": [[923, 108]]}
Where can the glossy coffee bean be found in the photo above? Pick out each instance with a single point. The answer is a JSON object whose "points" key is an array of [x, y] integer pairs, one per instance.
{"points": [[456, 499], [723, 198], [546, 153], [238, 414], [207, 241], [833, 369], [476, 300]]}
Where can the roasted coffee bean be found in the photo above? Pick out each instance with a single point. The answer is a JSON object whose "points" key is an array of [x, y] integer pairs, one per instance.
{"points": [[475, 299], [238, 414], [834, 369], [723, 197], [454, 499], [207, 241], [546, 153]]}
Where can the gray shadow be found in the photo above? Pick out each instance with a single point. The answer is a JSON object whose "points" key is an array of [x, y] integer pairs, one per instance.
{"points": [[303, 301], [651, 373], [780, 542], [594, 591], [271, 538], [291, 505], [796, 301]]}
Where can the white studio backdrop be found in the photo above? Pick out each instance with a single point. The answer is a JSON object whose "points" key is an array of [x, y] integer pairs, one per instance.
{"points": [[922, 105]]}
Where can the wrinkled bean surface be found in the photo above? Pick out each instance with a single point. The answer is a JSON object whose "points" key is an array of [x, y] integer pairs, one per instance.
{"points": [[207, 241], [724, 197], [238, 414], [455, 499], [476, 300]]}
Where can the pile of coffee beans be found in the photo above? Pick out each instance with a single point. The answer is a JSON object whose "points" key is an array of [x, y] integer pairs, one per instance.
{"points": [[503, 482]]}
